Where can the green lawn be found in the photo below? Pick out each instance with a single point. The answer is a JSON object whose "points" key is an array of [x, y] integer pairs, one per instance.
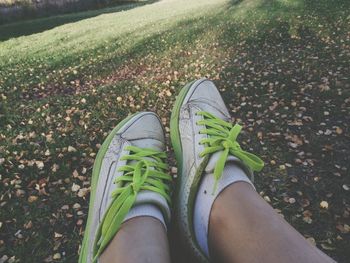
{"points": [[66, 81], [29, 27]]}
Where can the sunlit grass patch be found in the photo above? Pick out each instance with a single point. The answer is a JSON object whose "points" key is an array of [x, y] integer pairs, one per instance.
{"points": [[282, 69]]}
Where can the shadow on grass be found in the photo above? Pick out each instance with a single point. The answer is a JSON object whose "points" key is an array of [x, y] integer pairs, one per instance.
{"points": [[287, 61], [29, 27], [268, 51]]}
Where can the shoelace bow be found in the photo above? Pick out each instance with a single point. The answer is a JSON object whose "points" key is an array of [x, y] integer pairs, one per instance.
{"points": [[147, 171], [222, 136]]}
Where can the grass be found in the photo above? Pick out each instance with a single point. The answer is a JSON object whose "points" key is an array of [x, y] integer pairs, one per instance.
{"points": [[30, 27], [20, 10], [282, 67]]}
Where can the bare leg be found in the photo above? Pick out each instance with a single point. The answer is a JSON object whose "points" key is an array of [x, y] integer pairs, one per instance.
{"points": [[140, 239], [244, 228]]}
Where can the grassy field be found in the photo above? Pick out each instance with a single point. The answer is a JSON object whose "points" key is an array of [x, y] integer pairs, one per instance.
{"points": [[19, 10], [65, 82]]}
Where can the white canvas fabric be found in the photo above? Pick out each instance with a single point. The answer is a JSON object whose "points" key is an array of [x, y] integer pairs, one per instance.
{"points": [[201, 96], [144, 130]]}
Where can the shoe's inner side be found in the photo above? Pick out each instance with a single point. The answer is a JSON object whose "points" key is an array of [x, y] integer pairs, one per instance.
{"points": [[222, 136], [145, 169]]}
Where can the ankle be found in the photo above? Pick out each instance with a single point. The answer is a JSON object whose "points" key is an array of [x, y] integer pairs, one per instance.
{"points": [[233, 193], [224, 218], [145, 210], [226, 202], [232, 175]]}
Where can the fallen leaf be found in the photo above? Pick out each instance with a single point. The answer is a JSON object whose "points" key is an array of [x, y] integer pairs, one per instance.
{"points": [[311, 240], [39, 164], [58, 235], [71, 149], [32, 198], [75, 187], [56, 256], [339, 130], [324, 204]]}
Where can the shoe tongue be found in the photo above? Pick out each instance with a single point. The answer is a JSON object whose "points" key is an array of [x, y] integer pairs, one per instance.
{"points": [[214, 159], [148, 143], [206, 105]]}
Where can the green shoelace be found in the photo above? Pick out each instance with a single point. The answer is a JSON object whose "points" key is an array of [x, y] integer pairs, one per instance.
{"points": [[146, 171], [222, 136]]}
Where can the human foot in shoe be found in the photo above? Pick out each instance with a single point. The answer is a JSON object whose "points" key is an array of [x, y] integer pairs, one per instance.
{"points": [[129, 179], [209, 159]]}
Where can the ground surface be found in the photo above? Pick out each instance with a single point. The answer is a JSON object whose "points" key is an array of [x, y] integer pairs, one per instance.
{"points": [[282, 67]]}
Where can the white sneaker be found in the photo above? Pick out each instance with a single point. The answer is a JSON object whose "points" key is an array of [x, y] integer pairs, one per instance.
{"points": [[203, 140], [129, 169]]}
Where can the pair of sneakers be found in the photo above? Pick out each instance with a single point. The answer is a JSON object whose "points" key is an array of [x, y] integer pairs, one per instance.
{"points": [[130, 169]]}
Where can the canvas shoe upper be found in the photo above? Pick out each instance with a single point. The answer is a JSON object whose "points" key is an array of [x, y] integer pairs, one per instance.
{"points": [[203, 140], [129, 170]]}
